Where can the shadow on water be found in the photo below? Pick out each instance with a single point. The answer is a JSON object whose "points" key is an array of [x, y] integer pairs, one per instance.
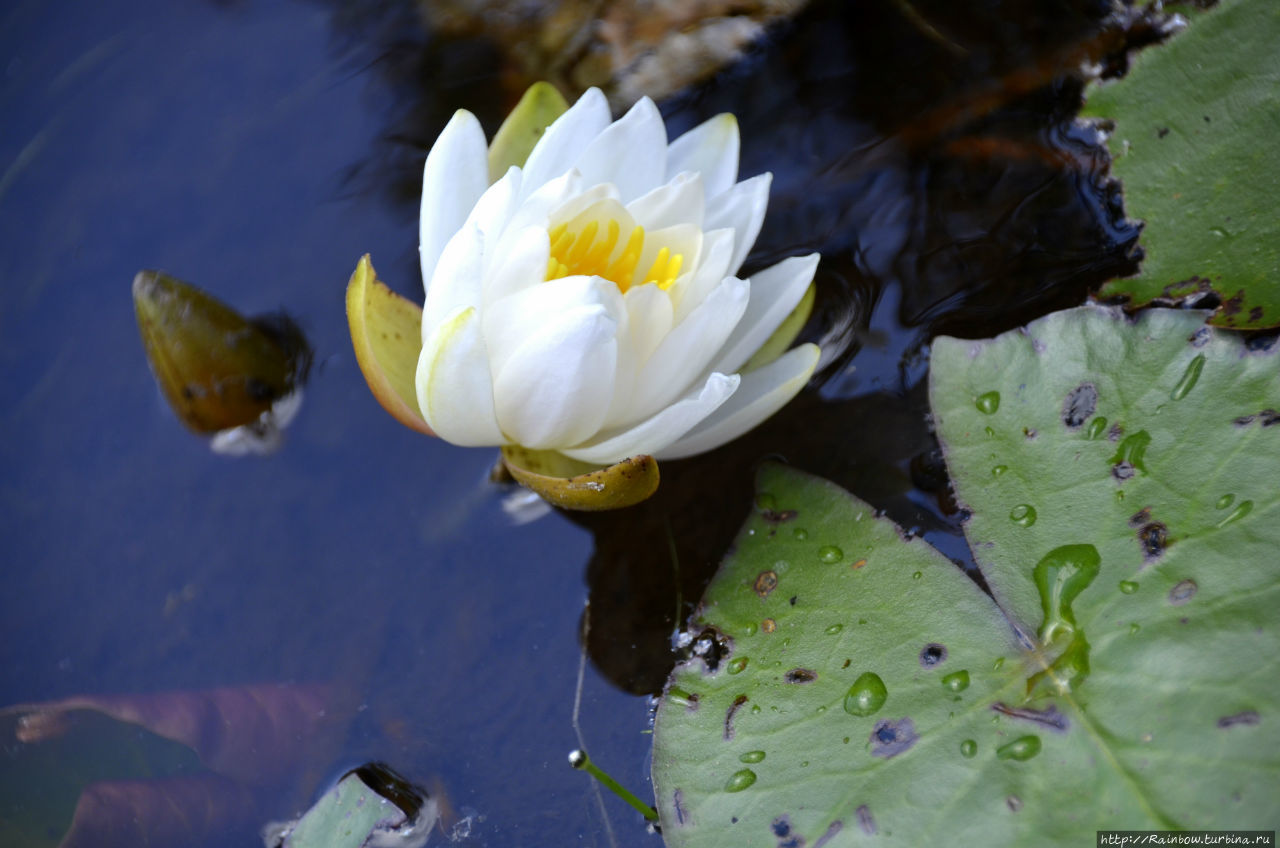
{"points": [[928, 150]]}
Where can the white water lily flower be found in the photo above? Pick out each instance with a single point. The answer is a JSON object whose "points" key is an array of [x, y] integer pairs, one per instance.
{"points": [[586, 303]]}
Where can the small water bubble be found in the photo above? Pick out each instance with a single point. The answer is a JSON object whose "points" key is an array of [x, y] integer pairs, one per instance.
{"points": [[1022, 748], [1244, 508], [915, 575], [988, 403], [1134, 628], [1119, 494], [866, 696], [1225, 501], [1128, 587], [830, 553], [737, 664], [740, 780], [968, 748], [750, 629], [1189, 378], [956, 681], [1024, 515], [800, 534], [990, 431], [755, 709], [822, 709], [1096, 428], [997, 664], [998, 470], [752, 757], [834, 629]]}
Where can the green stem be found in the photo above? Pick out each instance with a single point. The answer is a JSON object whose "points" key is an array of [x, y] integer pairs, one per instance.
{"points": [[579, 760]]}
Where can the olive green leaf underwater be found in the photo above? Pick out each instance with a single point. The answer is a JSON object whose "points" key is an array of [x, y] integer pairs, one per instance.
{"points": [[1122, 479]]}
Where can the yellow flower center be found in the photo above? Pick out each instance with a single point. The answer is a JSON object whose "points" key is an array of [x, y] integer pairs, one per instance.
{"points": [[582, 252]]}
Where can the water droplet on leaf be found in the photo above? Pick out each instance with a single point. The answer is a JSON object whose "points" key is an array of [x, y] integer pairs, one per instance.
{"points": [[956, 681], [866, 696], [1096, 428], [998, 470], [988, 403], [915, 575], [1024, 515], [1128, 587], [740, 780], [968, 748], [737, 664], [800, 534], [1189, 378], [752, 757], [830, 553], [1225, 501], [1022, 748], [834, 629], [1238, 513]]}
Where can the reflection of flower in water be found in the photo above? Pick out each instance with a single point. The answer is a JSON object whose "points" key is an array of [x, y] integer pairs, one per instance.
{"points": [[586, 302]]}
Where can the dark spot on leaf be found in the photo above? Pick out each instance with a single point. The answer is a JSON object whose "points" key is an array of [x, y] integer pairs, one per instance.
{"points": [[1154, 538], [890, 738], [1162, 132], [711, 646], [1114, 434], [1049, 717], [733, 820], [932, 654], [1269, 417], [389, 784], [1140, 517], [1183, 592], [777, 516], [832, 829], [1255, 314], [793, 600], [677, 804], [1200, 337], [846, 663], [1028, 432], [1243, 420], [1122, 470], [730, 713], [766, 582], [768, 625], [1081, 403], [781, 826], [1233, 304], [800, 675], [1247, 717], [1014, 802], [865, 821], [1206, 119]]}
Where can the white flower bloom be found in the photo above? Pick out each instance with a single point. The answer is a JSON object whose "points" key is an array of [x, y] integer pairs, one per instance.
{"points": [[586, 303]]}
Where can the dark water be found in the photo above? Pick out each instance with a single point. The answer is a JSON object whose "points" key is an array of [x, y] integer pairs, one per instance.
{"points": [[257, 149]]}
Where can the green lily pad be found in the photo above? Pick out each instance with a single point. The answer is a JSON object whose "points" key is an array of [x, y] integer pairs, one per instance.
{"points": [[853, 685], [1194, 144]]}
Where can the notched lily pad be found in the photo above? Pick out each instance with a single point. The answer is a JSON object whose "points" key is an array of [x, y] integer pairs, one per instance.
{"points": [[386, 332], [218, 369], [570, 484], [1194, 144], [369, 806]]}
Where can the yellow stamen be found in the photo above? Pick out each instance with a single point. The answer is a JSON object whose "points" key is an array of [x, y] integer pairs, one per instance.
{"points": [[580, 252]]}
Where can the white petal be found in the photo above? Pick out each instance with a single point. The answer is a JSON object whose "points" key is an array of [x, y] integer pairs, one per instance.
{"points": [[713, 267], [688, 348], [775, 291], [535, 209], [520, 263], [742, 208], [455, 392], [680, 201], [555, 389], [651, 319], [631, 153], [565, 140], [456, 282], [657, 432], [711, 149], [456, 174], [511, 322], [762, 393], [496, 205]]}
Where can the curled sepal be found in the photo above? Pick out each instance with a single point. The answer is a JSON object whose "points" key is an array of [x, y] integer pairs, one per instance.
{"points": [[218, 369], [537, 109], [386, 332], [571, 484], [778, 343]]}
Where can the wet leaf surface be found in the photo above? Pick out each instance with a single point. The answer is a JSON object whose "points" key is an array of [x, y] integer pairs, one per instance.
{"points": [[570, 484], [1194, 144], [871, 688]]}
